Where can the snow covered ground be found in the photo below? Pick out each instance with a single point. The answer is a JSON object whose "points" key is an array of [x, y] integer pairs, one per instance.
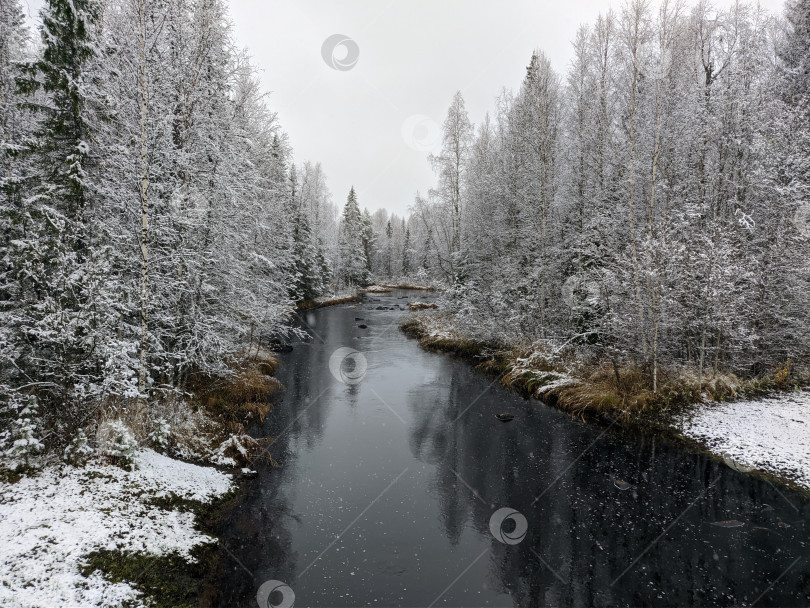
{"points": [[49, 522], [772, 435]]}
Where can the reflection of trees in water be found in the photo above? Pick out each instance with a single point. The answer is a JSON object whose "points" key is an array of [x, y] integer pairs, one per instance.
{"points": [[588, 530], [257, 532], [582, 526], [257, 545], [304, 407]]}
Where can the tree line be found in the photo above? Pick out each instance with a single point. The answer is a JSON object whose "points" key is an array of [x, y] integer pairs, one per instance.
{"points": [[652, 204], [154, 225]]}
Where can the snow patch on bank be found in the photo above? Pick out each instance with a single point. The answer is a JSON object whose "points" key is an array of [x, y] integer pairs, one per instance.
{"points": [[48, 523], [772, 435], [439, 327]]}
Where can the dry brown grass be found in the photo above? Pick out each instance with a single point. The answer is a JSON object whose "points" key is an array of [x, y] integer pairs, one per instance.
{"points": [[417, 326], [587, 386], [243, 397], [422, 305], [195, 424], [409, 286], [264, 361], [375, 289], [631, 394], [310, 304]]}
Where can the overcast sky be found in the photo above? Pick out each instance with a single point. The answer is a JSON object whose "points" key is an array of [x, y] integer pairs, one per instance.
{"points": [[371, 125]]}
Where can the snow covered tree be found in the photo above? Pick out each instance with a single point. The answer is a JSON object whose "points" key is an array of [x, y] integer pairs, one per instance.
{"points": [[406, 253], [147, 235], [450, 165], [14, 124], [308, 263], [653, 207], [57, 266], [354, 265]]}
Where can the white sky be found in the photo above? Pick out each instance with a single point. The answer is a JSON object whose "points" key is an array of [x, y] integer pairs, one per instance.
{"points": [[414, 55]]}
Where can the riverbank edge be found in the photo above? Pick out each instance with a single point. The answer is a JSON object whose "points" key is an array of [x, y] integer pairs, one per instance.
{"points": [[169, 580], [136, 516], [332, 301], [663, 420], [166, 578], [347, 298]]}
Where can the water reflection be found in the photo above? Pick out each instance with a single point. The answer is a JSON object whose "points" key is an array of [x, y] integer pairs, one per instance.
{"points": [[386, 488]]}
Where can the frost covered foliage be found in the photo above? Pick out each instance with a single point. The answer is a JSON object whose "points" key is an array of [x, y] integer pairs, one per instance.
{"points": [[118, 443], [152, 224], [237, 449], [376, 246], [23, 443], [649, 207], [161, 433], [78, 450]]}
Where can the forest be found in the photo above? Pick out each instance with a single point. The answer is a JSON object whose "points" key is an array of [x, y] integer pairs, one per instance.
{"points": [[649, 206], [210, 393], [155, 226]]}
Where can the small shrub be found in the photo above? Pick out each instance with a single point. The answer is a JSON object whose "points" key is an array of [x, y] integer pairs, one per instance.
{"points": [[118, 443], [782, 375], [79, 450], [161, 433], [237, 450], [25, 445]]}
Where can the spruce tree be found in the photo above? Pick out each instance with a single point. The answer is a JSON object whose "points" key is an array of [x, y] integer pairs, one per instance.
{"points": [[351, 245], [389, 233], [368, 238], [54, 265], [406, 253], [13, 35]]}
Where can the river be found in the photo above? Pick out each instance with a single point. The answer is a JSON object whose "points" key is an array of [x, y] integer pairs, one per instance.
{"points": [[396, 485]]}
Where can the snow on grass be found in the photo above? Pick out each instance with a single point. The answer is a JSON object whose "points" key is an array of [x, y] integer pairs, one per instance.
{"points": [[772, 435], [439, 327], [346, 294], [375, 289], [48, 523], [555, 380]]}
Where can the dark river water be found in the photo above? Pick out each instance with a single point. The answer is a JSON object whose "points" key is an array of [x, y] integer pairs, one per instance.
{"points": [[397, 486]]}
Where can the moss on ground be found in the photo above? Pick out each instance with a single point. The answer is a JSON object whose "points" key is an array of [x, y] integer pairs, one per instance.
{"points": [[166, 580], [170, 581]]}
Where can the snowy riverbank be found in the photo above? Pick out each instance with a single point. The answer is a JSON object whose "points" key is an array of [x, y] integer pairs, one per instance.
{"points": [[772, 435], [50, 522]]}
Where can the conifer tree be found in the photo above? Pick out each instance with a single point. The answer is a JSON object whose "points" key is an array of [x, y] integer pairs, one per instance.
{"points": [[406, 253], [57, 265], [354, 268]]}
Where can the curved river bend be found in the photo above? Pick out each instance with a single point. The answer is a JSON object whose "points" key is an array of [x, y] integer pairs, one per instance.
{"points": [[390, 487]]}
